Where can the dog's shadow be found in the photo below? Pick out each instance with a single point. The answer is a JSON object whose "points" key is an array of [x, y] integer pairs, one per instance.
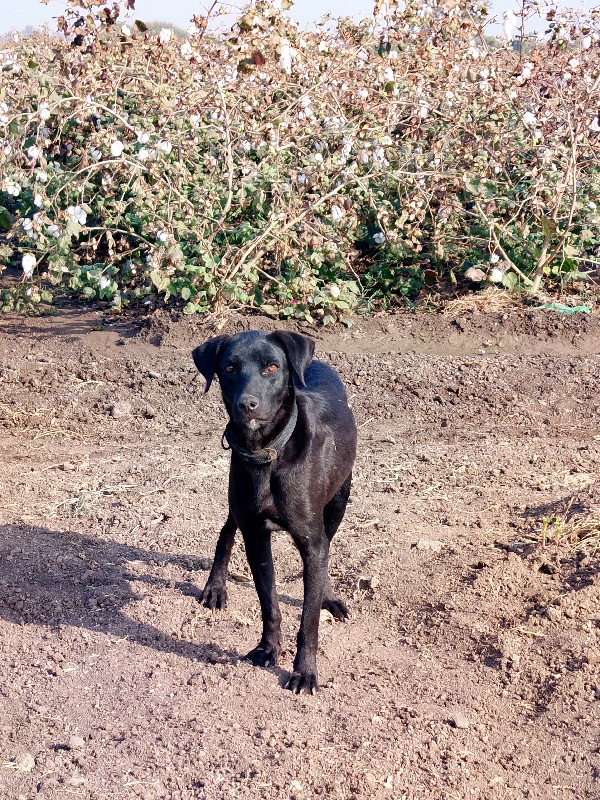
{"points": [[57, 578]]}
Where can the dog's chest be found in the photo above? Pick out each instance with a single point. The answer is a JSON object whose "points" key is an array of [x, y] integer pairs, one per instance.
{"points": [[260, 503]]}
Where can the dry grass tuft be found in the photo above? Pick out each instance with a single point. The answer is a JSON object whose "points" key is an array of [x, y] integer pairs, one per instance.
{"points": [[490, 300], [576, 530]]}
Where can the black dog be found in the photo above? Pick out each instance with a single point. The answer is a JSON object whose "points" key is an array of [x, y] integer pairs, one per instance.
{"points": [[293, 443]]}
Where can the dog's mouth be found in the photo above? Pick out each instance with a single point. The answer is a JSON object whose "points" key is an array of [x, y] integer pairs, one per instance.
{"points": [[250, 423]]}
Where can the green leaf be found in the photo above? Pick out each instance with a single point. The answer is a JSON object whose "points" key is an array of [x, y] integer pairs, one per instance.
{"points": [[548, 227], [509, 279], [6, 219], [160, 281], [72, 229]]}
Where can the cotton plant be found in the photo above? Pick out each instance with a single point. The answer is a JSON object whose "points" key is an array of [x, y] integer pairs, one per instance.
{"points": [[247, 169]]}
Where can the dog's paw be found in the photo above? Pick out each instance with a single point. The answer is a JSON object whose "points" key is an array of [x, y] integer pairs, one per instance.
{"points": [[303, 682], [263, 656], [214, 597], [336, 607]]}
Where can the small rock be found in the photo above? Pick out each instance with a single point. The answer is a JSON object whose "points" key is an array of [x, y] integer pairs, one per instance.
{"points": [[296, 786], [368, 583], [475, 274], [459, 721], [554, 614], [592, 656], [428, 544], [24, 762], [149, 412], [76, 743], [120, 409]]}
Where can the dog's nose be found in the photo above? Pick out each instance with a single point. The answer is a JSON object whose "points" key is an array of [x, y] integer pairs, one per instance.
{"points": [[248, 402]]}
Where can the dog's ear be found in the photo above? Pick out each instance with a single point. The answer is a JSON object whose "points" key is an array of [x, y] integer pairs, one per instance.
{"points": [[299, 350], [206, 357]]}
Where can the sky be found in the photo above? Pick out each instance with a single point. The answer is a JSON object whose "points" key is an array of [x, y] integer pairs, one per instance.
{"points": [[19, 14]]}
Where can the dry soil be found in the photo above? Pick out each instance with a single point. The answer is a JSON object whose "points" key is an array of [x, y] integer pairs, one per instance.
{"points": [[470, 667]]}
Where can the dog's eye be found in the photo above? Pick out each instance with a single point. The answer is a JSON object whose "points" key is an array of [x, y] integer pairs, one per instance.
{"points": [[272, 368], [229, 368]]}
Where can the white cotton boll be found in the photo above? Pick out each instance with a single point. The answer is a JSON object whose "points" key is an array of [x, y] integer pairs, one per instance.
{"points": [[164, 146], [525, 72], [143, 154], [125, 30], [13, 188], [38, 201], [337, 213], [586, 42], [95, 154], [28, 263], [53, 230], [510, 23], [162, 236], [388, 75], [143, 137], [33, 152], [285, 57], [496, 275], [362, 94], [42, 176], [78, 214], [44, 111], [117, 148], [379, 238], [334, 290], [529, 119], [186, 50], [165, 35], [103, 282], [494, 258], [595, 125]]}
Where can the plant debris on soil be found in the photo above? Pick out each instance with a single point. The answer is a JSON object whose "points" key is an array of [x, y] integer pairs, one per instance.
{"points": [[469, 557]]}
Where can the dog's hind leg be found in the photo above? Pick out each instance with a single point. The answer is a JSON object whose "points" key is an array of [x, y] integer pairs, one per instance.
{"points": [[214, 594], [333, 515]]}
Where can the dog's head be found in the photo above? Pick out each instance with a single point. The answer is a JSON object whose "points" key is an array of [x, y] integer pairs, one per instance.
{"points": [[257, 371]]}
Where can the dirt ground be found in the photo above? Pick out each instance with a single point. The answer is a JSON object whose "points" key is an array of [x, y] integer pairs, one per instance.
{"points": [[470, 667]]}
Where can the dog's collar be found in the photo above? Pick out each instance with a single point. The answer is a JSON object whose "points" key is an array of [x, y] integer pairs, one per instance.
{"points": [[266, 455]]}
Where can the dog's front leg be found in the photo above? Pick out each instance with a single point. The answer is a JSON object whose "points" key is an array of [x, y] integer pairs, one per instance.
{"points": [[314, 549], [260, 558], [214, 594]]}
